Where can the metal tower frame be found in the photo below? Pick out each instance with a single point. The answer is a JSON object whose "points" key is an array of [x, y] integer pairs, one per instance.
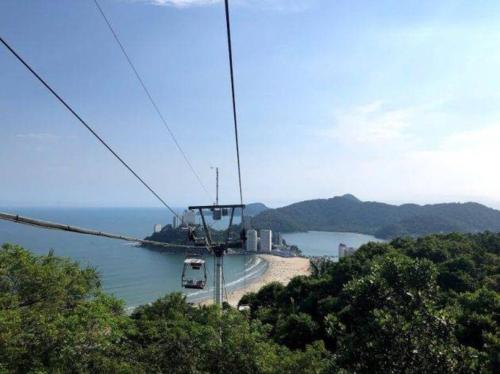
{"points": [[219, 248]]}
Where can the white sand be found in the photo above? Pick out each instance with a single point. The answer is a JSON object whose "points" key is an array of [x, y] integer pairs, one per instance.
{"points": [[279, 269]]}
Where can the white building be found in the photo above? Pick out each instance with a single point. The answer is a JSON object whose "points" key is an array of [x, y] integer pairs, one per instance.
{"points": [[157, 228], [174, 222], [266, 240], [189, 217], [252, 240]]}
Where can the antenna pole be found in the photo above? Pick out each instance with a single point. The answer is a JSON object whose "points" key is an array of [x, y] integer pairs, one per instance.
{"points": [[217, 186]]}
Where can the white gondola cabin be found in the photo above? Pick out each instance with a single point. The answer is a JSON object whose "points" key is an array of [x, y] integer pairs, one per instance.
{"points": [[193, 265]]}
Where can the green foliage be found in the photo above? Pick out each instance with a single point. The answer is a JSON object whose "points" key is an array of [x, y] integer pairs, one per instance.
{"points": [[427, 305], [175, 337], [54, 318], [414, 305], [296, 330], [253, 209], [478, 318]]}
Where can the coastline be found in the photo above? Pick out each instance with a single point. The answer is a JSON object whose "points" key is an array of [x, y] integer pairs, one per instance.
{"points": [[279, 269]]}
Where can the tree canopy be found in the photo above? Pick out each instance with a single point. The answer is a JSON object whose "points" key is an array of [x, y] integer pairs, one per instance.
{"points": [[411, 305], [54, 317]]}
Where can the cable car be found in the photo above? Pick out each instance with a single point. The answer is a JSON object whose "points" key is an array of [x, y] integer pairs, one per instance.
{"points": [[191, 266], [216, 214]]}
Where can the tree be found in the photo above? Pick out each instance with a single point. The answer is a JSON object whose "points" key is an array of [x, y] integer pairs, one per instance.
{"points": [[412, 305], [389, 322], [478, 317], [54, 317], [175, 337], [419, 305]]}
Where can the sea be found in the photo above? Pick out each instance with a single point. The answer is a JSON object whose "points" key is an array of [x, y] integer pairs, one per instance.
{"points": [[140, 275], [326, 243]]}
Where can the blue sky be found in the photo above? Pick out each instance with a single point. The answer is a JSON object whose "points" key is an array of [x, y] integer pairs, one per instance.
{"points": [[395, 101]]}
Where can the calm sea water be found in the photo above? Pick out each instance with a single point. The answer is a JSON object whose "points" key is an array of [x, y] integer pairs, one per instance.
{"points": [[324, 243], [138, 275]]}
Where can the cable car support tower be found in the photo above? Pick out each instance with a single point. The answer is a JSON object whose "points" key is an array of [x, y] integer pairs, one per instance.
{"points": [[219, 248]]}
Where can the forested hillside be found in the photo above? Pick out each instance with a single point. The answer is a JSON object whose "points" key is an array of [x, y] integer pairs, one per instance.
{"points": [[347, 213], [253, 209], [428, 305], [54, 318]]}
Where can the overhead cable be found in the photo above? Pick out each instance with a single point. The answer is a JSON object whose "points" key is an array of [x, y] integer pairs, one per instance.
{"points": [[79, 230], [150, 97], [235, 121], [233, 96], [66, 105]]}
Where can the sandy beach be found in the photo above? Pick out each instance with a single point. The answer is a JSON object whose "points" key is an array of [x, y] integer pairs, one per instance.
{"points": [[279, 269]]}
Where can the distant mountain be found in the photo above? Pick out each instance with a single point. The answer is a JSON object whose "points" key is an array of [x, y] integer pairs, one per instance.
{"points": [[349, 214], [253, 209]]}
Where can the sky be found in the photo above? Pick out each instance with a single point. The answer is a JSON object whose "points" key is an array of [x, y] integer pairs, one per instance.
{"points": [[393, 101]]}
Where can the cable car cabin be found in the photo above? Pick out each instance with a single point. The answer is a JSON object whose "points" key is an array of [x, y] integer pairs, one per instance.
{"points": [[216, 214], [195, 263], [191, 266]]}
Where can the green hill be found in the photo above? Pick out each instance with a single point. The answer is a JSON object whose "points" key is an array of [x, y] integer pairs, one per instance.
{"points": [[347, 213], [253, 209]]}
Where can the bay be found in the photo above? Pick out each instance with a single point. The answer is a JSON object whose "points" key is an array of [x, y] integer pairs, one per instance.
{"points": [[140, 275], [326, 243], [135, 274]]}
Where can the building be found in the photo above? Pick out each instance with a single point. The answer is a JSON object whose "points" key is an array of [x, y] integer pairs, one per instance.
{"points": [[266, 240], [157, 228], [344, 250], [252, 240], [189, 217], [175, 222]]}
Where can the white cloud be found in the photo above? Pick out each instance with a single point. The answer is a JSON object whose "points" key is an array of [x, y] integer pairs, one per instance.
{"points": [[413, 154], [463, 166], [372, 124], [464, 163]]}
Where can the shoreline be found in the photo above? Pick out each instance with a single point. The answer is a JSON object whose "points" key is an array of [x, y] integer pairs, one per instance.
{"points": [[279, 269]]}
